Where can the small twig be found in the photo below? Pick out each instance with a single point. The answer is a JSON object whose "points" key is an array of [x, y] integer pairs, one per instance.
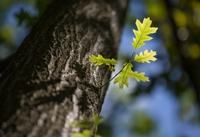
{"points": [[113, 76], [117, 72]]}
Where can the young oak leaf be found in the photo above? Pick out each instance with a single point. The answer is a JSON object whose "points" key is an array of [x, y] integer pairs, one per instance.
{"points": [[127, 73], [146, 56], [85, 133], [122, 78], [100, 60], [143, 32], [139, 76]]}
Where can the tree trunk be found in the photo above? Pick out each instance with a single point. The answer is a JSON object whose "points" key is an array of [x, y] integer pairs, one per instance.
{"points": [[49, 82]]}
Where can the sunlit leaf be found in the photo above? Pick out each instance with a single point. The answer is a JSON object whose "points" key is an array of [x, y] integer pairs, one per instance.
{"points": [[139, 76], [97, 119], [122, 78], [100, 60], [143, 32], [145, 57], [85, 133], [126, 73]]}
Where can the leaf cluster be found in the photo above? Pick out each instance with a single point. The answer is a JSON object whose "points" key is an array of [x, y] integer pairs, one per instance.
{"points": [[142, 35]]}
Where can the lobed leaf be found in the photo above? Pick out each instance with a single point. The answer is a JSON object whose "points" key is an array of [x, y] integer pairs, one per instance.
{"points": [[139, 76], [85, 133], [100, 60], [146, 56], [143, 32], [122, 78], [127, 73]]}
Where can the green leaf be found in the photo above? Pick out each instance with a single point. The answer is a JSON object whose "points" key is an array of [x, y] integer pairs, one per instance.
{"points": [[139, 76], [100, 60], [97, 119], [145, 57], [143, 32], [126, 73], [122, 78], [85, 133]]}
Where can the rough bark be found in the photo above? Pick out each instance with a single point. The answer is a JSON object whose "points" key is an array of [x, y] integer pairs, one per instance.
{"points": [[4, 63], [49, 82]]}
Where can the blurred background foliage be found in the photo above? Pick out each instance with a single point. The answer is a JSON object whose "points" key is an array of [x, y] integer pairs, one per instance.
{"points": [[16, 19], [168, 106]]}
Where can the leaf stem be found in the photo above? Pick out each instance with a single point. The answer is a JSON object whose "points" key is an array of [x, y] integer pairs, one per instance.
{"points": [[129, 61], [113, 76]]}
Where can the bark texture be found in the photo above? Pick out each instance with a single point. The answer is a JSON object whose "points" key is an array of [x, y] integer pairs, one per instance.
{"points": [[49, 82]]}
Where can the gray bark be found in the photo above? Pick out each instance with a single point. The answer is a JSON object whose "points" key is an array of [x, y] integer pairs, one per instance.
{"points": [[49, 82]]}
